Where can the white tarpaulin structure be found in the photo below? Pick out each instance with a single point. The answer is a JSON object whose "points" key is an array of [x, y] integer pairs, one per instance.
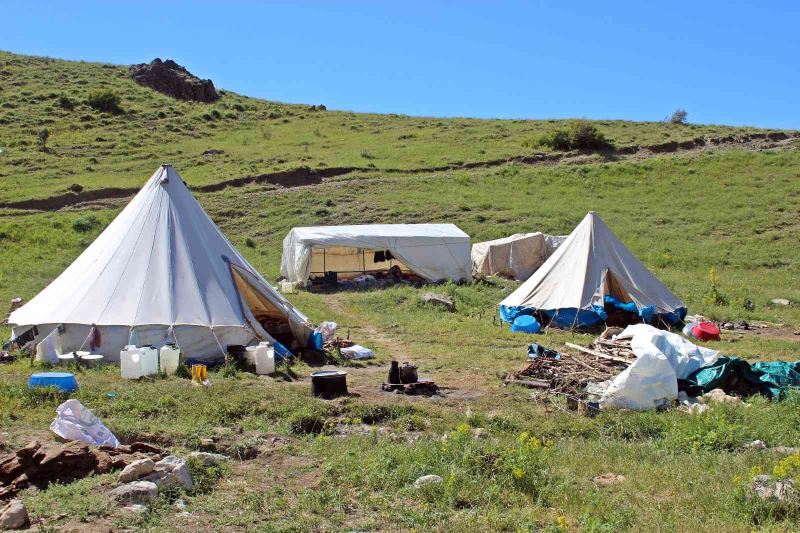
{"points": [[572, 287], [432, 251], [516, 257], [661, 359], [161, 271]]}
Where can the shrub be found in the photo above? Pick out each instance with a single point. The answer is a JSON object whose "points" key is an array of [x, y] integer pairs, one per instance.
{"points": [[65, 103], [77, 188], [41, 138], [579, 136], [584, 136], [104, 100], [249, 242], [309, 420], [556, 140], [677, 117], [85, 223]]}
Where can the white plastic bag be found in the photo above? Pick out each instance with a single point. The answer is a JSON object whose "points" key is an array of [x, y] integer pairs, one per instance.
{"points": [[357, 352], [75, 422], [328, 330]]}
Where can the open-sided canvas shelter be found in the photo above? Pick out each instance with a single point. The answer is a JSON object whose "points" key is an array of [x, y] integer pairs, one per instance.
{"points": [[516, 257], [161, 271], [590, 274], [432, 251]]}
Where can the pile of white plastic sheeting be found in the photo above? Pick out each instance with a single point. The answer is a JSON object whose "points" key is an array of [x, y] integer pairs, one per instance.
{"points": [[661, 359]]}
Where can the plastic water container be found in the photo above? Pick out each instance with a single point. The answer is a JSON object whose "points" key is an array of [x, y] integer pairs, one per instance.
{"points": [[169, 357], [262, 357], [136, 362], [287, 287], [526, 324]]}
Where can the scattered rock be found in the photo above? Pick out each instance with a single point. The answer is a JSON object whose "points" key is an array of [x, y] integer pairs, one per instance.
{"points": [[208, 458], [135, 508], [430, 479], [14, 516], [757, 445], [609, 478], [780, 301], [727, 325], [480, 433], [135, 470], [213, 152], [786, 450], [40, 464], [766, 488], [718, 395], [691, 404], [439, 300], [136, 492], [176, 471], [170, 78]]}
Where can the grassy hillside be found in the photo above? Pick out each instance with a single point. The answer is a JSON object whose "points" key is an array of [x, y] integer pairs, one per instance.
{"points": [[350, 464], [95, 149]]}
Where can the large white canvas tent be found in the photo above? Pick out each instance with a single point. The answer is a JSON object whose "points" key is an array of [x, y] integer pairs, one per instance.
{"points": [[516, 257], [590, 271], [161, 272], [432, 251]]}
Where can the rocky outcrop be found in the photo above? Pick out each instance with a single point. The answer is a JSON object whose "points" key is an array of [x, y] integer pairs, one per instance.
{"points": [[39, 464], [170, 78]]}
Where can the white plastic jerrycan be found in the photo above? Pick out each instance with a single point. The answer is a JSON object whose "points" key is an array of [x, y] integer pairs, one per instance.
{"points": [[169, 358], [265, 358]]}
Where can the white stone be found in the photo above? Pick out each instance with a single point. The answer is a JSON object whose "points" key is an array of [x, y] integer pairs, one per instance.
{"points": [[135, 470], [430, 479], [757, 445], [136, 492], [178, 470], [208, 458], [14, 515]]}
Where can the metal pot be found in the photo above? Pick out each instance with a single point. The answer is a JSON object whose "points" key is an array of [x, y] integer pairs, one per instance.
{"points": [[408, 373]]}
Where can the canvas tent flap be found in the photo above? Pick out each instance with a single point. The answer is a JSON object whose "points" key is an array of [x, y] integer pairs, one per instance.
{"points": [[159, 266], [433, 251], [517, 256], [591, 264]]}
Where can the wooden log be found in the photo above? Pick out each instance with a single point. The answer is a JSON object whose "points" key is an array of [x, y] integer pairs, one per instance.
{"points": [[530, 383], [598, 354]]}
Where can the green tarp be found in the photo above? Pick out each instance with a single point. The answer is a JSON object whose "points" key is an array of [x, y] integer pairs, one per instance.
{"points": [[737, 376]]}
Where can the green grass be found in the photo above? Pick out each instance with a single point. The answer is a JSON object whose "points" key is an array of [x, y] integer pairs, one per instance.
{"points": [[98, 150], [735, 211]]}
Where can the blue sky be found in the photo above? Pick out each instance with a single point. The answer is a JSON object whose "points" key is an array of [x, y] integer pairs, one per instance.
{"points": [[732, 62]]}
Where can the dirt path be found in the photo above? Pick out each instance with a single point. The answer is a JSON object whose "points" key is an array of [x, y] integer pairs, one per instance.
{"points": [[308, 177]]}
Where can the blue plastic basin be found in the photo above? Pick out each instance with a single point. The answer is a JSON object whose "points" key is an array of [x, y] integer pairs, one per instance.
{"points": [[63, 381], [526, 324]]}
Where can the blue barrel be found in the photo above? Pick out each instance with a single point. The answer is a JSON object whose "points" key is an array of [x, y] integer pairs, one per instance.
{"points": [[63, 381]]}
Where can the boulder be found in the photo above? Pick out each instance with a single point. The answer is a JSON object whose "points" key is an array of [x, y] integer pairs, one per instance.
{"points": [[14, 516], [170, 78], [135, 470], [171, 471], [430, 479], [136, 492], [757, 445], [766, 488], [439, 300], [780, 301]]}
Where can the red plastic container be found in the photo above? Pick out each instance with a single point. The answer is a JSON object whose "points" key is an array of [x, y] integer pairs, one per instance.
{"points": [[706, 331]]}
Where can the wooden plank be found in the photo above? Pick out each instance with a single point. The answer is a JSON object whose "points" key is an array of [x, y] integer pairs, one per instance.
{"points": [[530, 383], [598, 354]]}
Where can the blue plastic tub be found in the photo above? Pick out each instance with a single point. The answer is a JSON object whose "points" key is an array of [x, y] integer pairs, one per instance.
{"points": [[63, 381], [526, 324]]}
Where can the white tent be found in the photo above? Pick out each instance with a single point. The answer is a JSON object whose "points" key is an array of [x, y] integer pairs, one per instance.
{"points": [[592, 266], [160, 272], [432, 251], [516, 257]]}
